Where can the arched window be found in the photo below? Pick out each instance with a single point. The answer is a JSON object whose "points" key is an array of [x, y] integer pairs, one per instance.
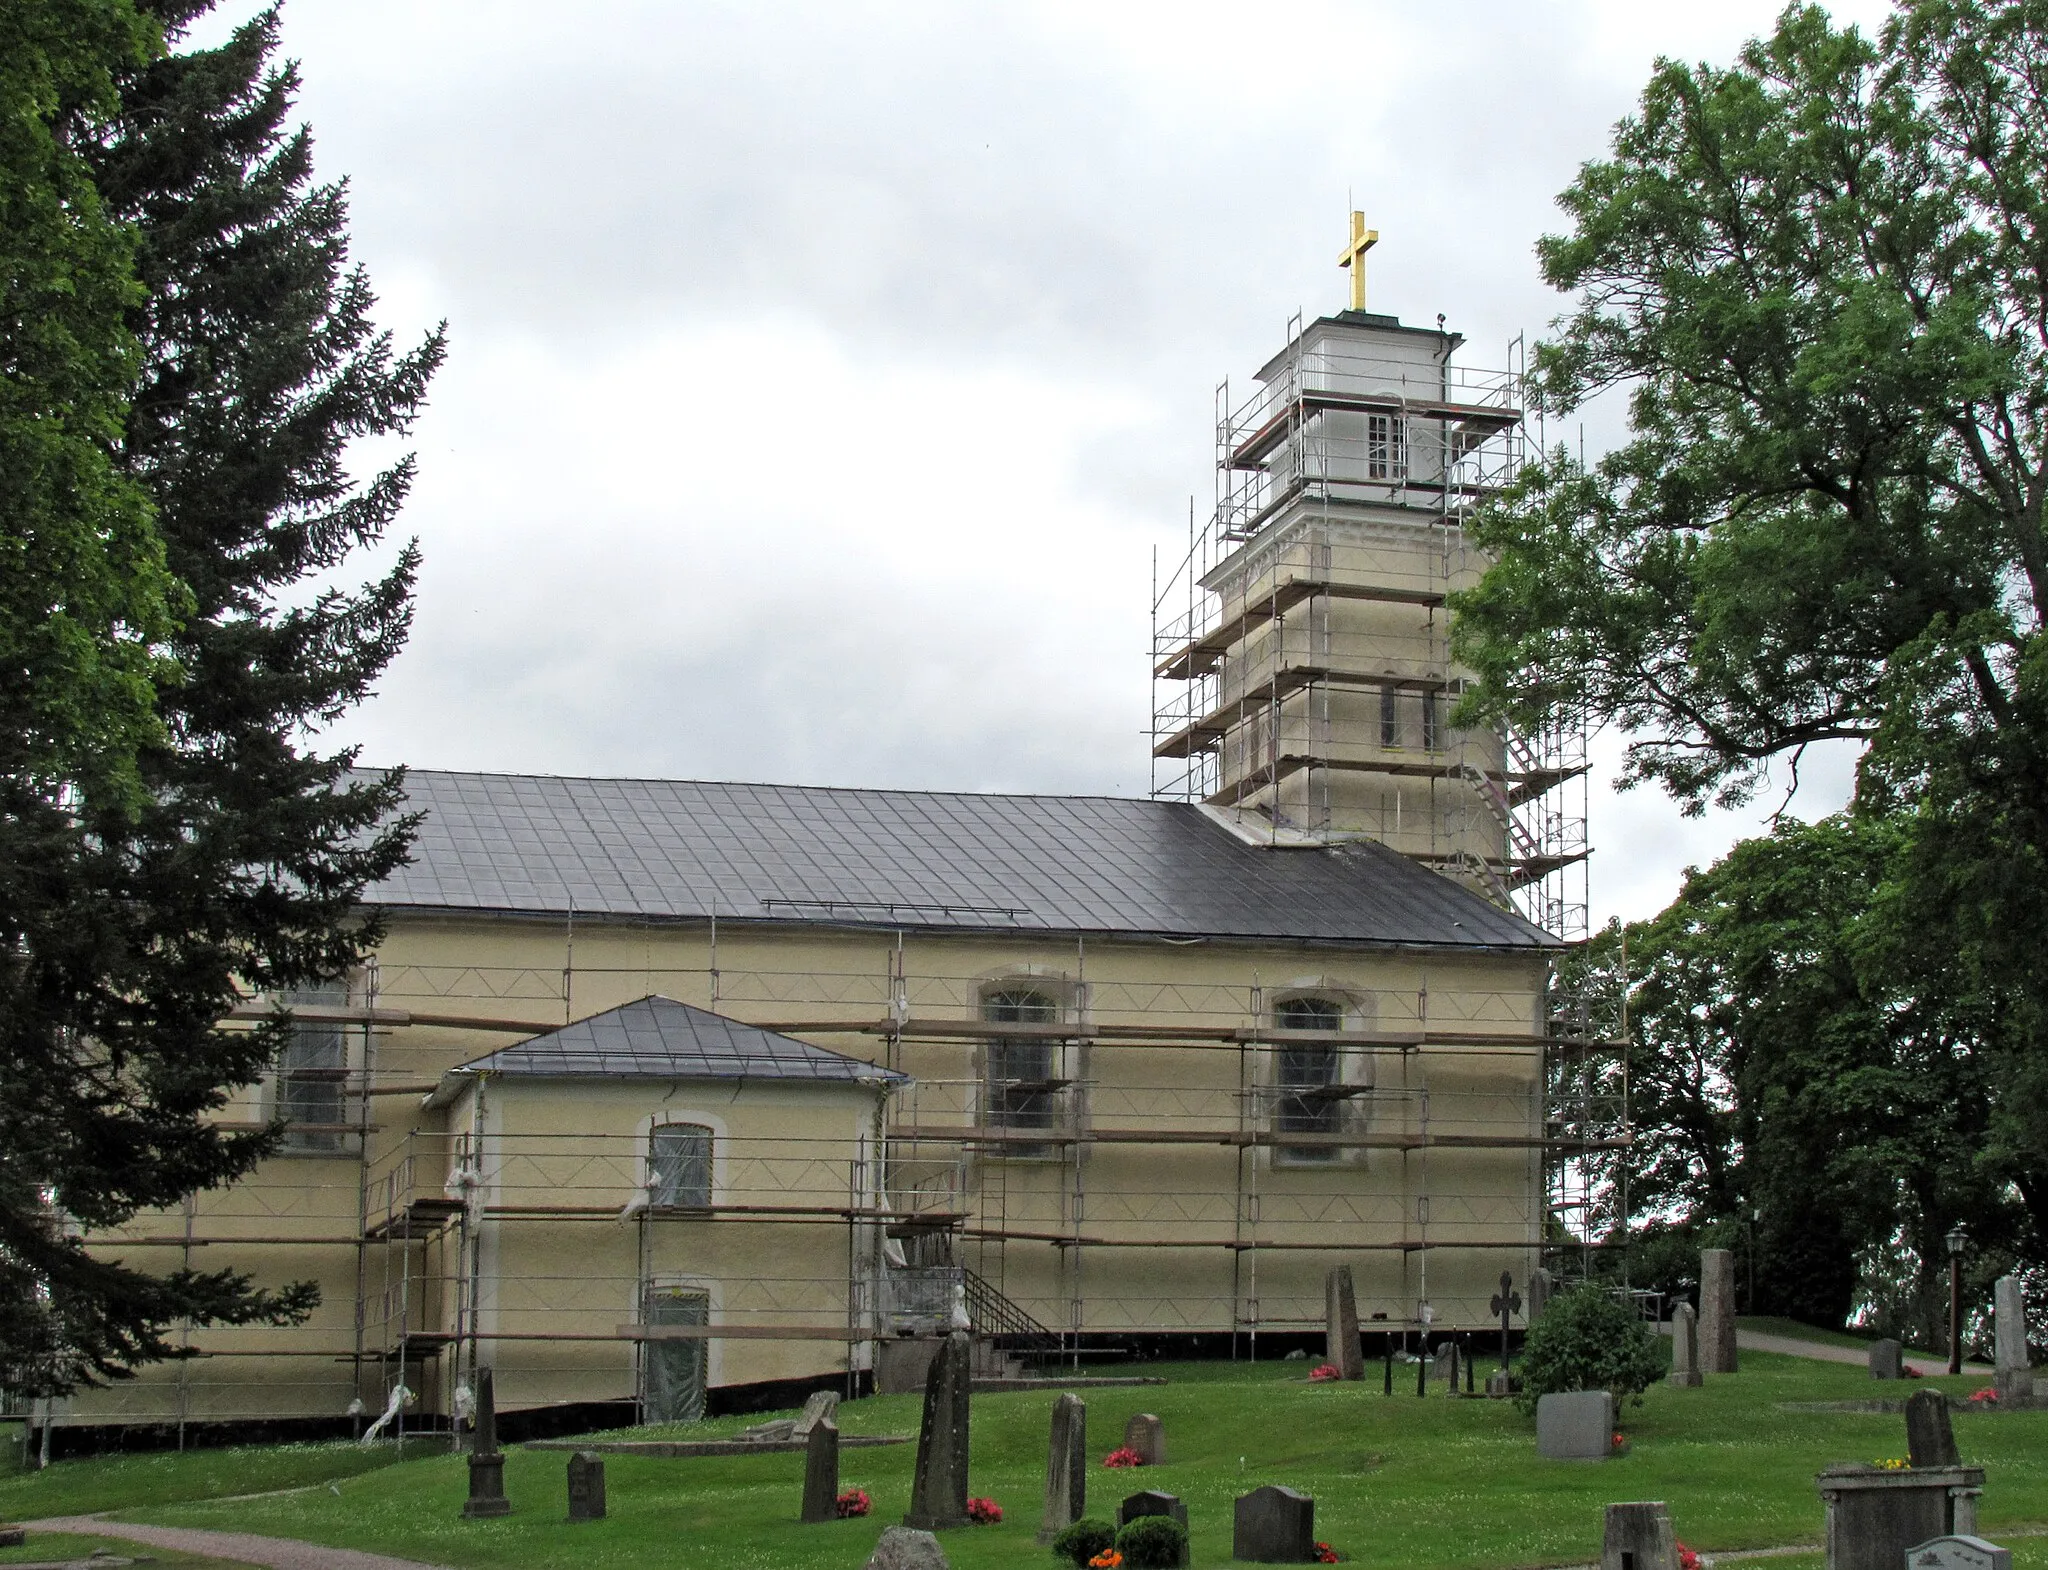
{"points": [[679, 1164], [1390, 716], [1432, 723], [1022, 1070], [1308, 1077]]}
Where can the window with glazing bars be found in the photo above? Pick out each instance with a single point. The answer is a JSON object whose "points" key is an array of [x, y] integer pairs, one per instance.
{"points": [[1304, 1073], [312, 1072], [679, 1164], [1020, 1071], [1386, 447]]}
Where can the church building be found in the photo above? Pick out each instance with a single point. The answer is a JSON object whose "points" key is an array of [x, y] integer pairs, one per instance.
{"points": [[669, 1097]]}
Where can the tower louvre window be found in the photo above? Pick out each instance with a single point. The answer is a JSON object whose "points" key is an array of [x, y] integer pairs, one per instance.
{"points": [[1390, 716], [1432, 723]]}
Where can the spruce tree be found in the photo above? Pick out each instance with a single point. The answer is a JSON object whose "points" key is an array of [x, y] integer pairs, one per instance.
{"points": [[237, 866]]}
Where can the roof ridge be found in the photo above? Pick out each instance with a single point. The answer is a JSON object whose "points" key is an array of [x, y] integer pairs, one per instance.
{"points": [[414, 772]]}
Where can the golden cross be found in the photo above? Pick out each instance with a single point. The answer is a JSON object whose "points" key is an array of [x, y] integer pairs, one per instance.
{"points": [[1353, 257]]}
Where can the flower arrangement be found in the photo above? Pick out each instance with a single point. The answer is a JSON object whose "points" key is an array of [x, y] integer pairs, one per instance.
{"points": [[984, 1512], [1108, 1559], [1687, 1559], [1911, 1372], [1325, 1554], [1123, 1455], [1322, 1373], [1892, 1463], [1985, 1396], [1085, 1541], [1618, 1439], [853, 1502]]}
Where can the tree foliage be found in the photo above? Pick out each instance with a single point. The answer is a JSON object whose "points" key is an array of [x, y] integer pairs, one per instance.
{"points": [[1588, 1339], [1820, 276], [238, 864]]}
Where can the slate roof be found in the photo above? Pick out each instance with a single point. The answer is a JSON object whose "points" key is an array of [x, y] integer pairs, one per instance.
{"points": [[659, 1038], [910, 859]]}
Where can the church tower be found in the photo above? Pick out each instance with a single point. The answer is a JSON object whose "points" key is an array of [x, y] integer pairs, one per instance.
{"points": [[1303, 679]]}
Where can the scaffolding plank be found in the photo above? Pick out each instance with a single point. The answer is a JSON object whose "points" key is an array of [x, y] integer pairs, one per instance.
{"points": [[1199, 655]]}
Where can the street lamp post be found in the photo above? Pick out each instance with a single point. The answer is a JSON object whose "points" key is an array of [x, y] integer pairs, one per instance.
{"points": [[1957, 1237]]}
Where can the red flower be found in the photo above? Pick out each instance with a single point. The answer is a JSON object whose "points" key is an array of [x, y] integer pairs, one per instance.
{"points": [[984, 1512], [1123, 1455], [1913, 1373], [1687, 1559], [1325, 1554], [1619, 1440], [853, 1502], [1988, 1393], [1323, 1372]]}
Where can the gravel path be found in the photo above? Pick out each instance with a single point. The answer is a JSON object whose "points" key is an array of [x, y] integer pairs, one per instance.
{"points": [[278, 1553], [1826, 1352]]}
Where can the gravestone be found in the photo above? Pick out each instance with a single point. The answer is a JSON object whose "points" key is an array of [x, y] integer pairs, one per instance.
{"points": [[1717, 1311], [821, 1471], [11, 1535], [1685, 1347], [1340, 1325], [1958, 1553], [1274, 1526], [1151, 1502], [1639, 1537], [586, 1486], [1066, 1467], [1876, 1515], [1541, 1284], [823, 1406], [1145, 1434], [1577, 1425], [1930, 1435], [486, 1462], [938, 1493], [2014, 1377], [1445, 1364], [905, 1548], [1887, 1360]]}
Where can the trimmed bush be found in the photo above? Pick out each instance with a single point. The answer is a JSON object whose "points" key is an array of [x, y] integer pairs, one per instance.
{"points": [[1083, 1540], [1153, 1542], [1587, 1340]]}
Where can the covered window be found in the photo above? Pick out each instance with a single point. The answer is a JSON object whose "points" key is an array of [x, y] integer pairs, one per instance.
{"points": [[1386, 447], [312, 1072], [679, 1164], [1390, 716], [1305, 1076], [674, 1368], [1023, 1071], [1432, 723]]}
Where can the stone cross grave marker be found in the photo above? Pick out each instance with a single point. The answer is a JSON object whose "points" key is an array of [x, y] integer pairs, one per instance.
{"points": [[938, 1493], [1340, 1319], [1274, 1526], [1930, 1435], [1575, 1425], [1887, 1359], [1717, 1311], [1958, 1553], [821, 1471], [1145, 1434], [486, 1463], [1505, 1302], [2014, 1377], [586, 1486], [1066, 1467], [1685, 1347], [1639, 1537]]}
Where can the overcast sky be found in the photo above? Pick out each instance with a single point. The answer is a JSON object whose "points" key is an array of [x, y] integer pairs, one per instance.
{"points": [[823, 377]]}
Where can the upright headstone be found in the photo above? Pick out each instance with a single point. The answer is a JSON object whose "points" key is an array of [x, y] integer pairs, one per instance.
{"points": [[1151, 1502], [1717, 1311], [823, 1406], [486, 1463], [1340, 1325], [821, 1471], [1541, 1284], [1576, 1425], [1877, 1515], [938, 1493], [1274, 1526], [12, 1535], [2014, 1377], [1145, 1434], [1887, 1360], [1445, 1364], [586, 1486], [1639, 1537], [1066, 1467], [1685, 1346], [903, 1548], [1930, 1435], [1958, 1553]]}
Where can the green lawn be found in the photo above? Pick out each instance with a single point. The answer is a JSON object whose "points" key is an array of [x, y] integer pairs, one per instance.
{"points": [[1398, 1482]]}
